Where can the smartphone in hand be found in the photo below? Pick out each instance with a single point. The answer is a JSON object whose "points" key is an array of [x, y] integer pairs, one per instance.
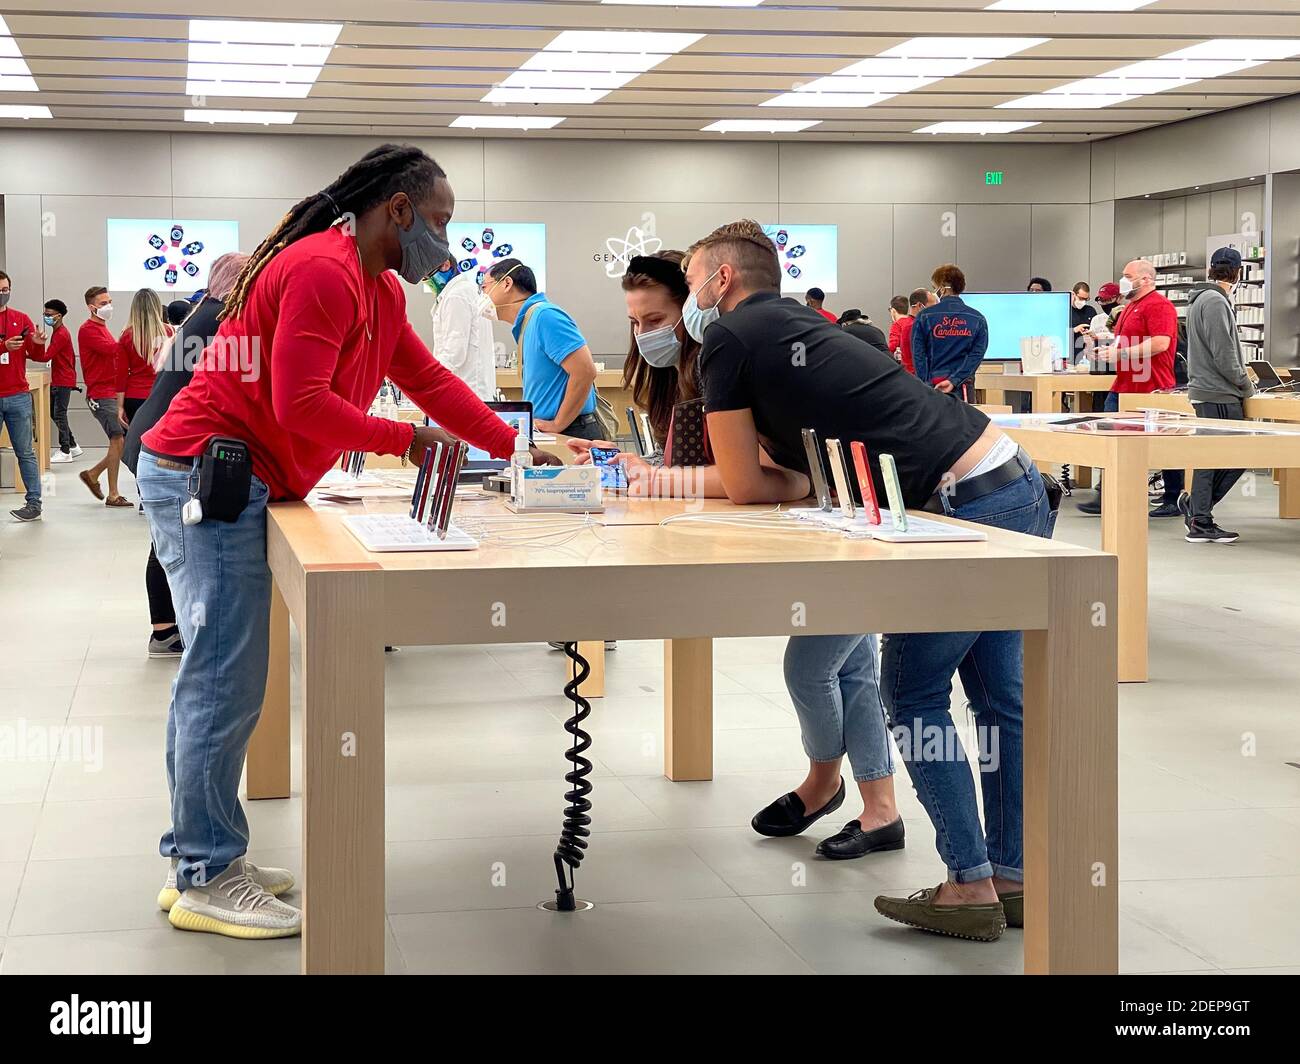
{"points": [[612, 474]]}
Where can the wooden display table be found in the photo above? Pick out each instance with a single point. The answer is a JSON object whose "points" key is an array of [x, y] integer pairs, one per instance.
{"points": [[1125, 459], [685, 583]]}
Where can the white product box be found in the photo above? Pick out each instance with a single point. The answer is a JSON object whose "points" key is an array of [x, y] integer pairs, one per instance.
{"points": [[558, 489]]}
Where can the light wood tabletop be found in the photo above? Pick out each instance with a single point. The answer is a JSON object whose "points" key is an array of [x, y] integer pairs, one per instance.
{"points": [[685, 583], [1125, 459]]}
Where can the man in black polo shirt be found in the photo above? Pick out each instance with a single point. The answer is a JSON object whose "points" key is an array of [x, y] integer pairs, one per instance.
{"points": [[770, 368]]}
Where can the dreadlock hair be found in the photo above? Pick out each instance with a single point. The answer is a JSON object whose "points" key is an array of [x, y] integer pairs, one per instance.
{"points": [[377, 176]]}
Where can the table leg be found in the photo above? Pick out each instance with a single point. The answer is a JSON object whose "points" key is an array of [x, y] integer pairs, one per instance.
{"points": [[268, 750], [1288, 494], [1071, 776], [1124, 522], [594, 651], [343, 775], [688, 709], [41, 428]]}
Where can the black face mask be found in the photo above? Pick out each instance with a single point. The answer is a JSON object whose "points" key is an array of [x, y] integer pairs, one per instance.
{"points": [[422, 252]]}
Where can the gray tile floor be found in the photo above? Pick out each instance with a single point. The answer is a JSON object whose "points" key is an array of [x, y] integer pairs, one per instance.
{"points": [[1210, 806]]}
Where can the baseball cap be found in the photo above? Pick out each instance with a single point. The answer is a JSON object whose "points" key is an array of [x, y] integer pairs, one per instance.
{"points": [[1226, 257], [1108, 292]]}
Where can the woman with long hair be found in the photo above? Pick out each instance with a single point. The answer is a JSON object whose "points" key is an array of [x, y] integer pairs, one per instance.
{"points": [[141, 349], [314, 323], [833, 681]]}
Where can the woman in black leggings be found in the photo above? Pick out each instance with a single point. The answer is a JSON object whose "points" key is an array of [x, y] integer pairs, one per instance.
{"points": [[192, 336]]}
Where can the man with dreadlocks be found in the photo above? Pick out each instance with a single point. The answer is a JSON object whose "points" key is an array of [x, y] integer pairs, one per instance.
{"points": [[313, 325]]}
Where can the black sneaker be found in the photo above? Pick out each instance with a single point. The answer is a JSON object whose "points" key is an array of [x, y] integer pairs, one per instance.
{"points": [[27, 513], [168, 647], [1092, 509], [1184, 504], [1210, 534], [1165, 509]]}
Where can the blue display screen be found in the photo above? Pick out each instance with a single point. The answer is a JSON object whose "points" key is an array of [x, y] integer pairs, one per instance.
{"points": [[1015, 316]]}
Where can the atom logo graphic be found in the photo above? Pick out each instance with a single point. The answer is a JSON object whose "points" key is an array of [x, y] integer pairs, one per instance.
{"points": [[172, 270], [621, 252]]}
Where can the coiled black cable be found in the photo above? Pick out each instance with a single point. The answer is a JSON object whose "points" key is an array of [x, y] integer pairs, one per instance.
{"points": [[573, 838]]}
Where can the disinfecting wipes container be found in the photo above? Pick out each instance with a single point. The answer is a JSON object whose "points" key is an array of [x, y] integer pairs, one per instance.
{"points": [[557, 489]]}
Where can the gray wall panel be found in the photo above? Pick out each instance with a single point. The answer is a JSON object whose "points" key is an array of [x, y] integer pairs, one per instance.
{"points": [[993, 246], [1059, 236]]}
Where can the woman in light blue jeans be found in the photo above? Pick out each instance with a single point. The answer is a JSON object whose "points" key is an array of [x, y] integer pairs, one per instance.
{"points": [[834, 683]]}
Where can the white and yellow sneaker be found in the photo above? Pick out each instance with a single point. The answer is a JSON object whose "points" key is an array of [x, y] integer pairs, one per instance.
{"points": [[274, 881], [235, 905]]}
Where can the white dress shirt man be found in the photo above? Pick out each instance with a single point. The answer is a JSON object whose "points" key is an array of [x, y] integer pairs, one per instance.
{"points": [[462, 336]]}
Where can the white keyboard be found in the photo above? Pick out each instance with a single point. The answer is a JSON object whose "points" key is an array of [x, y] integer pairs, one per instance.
{"points": [[383, 533]]}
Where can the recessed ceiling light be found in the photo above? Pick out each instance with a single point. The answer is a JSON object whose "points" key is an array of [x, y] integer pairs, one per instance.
{"points": [[1200, 62], [23, 110], [759, 125], [976, 127], [15, 74], [582, 66], [212, 115], [266, 59], [504, 122], [1068, 5], [903, 68]]}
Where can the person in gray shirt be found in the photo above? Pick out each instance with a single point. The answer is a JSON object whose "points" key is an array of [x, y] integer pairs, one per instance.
{"points": [[1217, 385]]}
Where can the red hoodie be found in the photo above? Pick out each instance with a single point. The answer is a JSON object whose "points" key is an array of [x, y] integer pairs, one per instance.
{"points": [[295, 373]]}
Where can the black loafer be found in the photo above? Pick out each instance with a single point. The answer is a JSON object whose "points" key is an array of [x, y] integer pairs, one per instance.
{"points": [[786, 816], [854, 842]]}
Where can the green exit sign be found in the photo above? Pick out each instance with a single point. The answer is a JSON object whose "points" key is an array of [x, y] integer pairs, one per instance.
{"points": [[992, 177]]}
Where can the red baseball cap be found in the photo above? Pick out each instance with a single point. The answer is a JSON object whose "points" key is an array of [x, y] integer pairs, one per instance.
{"points": [[1107, 292]]}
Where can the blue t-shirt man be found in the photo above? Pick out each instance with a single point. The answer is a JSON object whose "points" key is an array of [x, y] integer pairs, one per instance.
{"points": [[551, 337]]}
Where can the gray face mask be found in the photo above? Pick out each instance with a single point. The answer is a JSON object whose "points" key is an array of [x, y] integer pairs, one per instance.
{"points": [[422, 252], [4, 299]]}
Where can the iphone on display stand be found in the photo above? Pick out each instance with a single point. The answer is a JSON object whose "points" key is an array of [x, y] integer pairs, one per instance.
{"points": [[840, 472], [865, 483], [816, 470], [893, 492]]}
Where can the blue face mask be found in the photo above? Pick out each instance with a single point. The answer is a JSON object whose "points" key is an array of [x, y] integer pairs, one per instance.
{"points": [[48, 320], [695, 318], [660, 347]]}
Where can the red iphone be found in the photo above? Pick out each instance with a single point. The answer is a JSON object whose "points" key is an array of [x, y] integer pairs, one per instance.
{"points": [[865, 483]]}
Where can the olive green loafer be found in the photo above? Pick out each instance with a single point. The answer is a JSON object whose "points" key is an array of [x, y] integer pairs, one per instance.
{"points": [[979, 923], [1014, 906]]}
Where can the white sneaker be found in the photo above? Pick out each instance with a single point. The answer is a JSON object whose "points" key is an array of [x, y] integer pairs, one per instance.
{"points": [[59, 457], [237, 906], [76, 451], [274, 881]]}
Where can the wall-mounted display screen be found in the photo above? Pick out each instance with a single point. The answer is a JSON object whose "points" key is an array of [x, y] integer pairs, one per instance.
{"points": [[476, 245], [166, 254], [1021, 321], [809, 256]]}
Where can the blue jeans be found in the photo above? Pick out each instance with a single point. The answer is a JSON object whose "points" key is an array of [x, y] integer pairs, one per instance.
{"points": [[916, 682], [835, 688], [16, 416], [221, 585]]}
